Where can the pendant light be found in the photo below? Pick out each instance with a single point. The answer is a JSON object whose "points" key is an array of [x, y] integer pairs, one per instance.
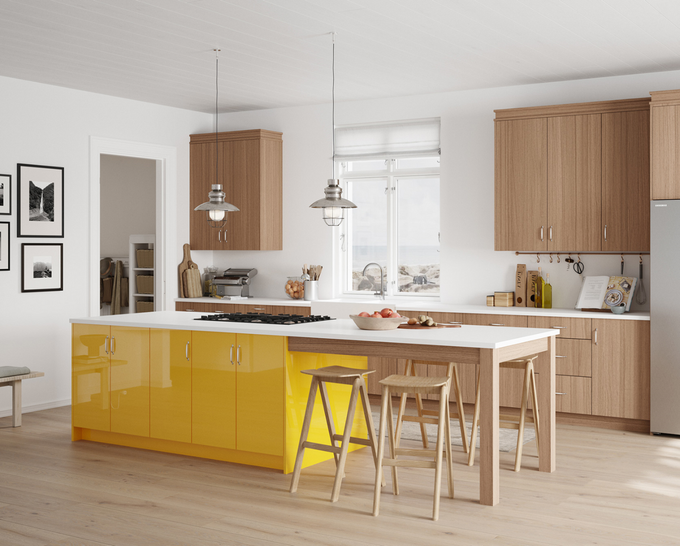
{"points": [[217, 208], [333, 205]]}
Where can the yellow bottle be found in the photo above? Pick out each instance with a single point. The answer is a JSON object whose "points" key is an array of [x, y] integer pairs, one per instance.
{"points": [[538, 289], [547, 293]]}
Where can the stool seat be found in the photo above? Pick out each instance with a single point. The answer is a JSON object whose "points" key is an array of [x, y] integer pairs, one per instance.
{"points": [[409, 384], [343, 376]]}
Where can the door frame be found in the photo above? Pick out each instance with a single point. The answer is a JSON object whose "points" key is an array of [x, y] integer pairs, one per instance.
{"points": [[166, 205]]}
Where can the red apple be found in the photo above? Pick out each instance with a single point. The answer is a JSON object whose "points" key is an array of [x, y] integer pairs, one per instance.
{"points": [[377, 315], [395, 315], [364, 314], [387, 312]]}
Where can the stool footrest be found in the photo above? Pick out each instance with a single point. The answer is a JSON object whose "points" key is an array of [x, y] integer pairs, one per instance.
{"points": [[417, 419], [515, 418], [322, 447], [434, 413], [409, 463], [416, 452], [353, 440]]}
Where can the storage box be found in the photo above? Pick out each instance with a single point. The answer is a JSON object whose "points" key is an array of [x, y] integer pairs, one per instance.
{"points": [[504, 299], [144, 284], [532, 276], [489, 301], [144, 306], [145, 258], [521, 286]]}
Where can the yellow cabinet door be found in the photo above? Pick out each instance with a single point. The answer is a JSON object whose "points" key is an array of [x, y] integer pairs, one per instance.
{"points": [[259, 394], [90, 376], [129, 348], [213, 384], [170, 390]]}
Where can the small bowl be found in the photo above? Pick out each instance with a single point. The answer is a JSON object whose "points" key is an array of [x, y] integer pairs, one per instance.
{"points": [[374, 323], [618, 309]]}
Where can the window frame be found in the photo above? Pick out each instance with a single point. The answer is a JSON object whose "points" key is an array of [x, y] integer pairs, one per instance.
{"points": [[391, 175]]}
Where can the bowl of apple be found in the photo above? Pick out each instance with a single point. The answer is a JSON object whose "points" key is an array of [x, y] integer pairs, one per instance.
{"points": [[379, 320]]}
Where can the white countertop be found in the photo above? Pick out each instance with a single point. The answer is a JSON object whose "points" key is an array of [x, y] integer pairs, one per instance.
{"points": [[481, 337]]}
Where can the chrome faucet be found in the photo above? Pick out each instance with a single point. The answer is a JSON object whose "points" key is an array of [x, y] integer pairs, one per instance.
{"points": [[381, 294]]}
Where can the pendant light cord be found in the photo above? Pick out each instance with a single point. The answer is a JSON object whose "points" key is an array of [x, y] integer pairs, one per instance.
{"points": [[217, 115], [333, 100]]}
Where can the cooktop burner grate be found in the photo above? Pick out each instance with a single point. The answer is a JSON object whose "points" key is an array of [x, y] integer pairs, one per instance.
{"points": [[263, 318]]}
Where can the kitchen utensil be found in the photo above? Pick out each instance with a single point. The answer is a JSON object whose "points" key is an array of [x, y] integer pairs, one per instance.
{"points": [[641, 295], [578, 266], [374, 323], [183, 266]]}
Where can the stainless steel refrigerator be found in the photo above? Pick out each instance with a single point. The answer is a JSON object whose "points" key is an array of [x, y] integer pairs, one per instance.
{"points": [[665, 312]]}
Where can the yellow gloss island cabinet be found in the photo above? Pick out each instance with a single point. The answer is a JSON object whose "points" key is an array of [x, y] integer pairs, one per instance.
{"points": [[231, 397]]}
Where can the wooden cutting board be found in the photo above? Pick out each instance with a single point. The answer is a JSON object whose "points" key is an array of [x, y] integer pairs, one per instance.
{"points": [[192, 283], [421, 327], [183, 266]]}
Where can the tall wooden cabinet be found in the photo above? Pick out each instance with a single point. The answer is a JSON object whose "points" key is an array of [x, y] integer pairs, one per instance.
{"points": [[250, 165], [573, 177], [665, 144]]}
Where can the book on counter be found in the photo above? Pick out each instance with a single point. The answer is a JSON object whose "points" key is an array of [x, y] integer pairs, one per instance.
{"points": [[603, 292]]}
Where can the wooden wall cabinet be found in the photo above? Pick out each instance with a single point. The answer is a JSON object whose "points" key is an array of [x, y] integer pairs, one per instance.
{"points": [[665, 144], [573, 177], [251, 173]]}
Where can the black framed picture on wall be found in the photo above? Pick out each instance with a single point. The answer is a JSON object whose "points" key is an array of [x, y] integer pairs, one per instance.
{"points": [[5, 194], [4, 246], [42, 267], [40, 201]]}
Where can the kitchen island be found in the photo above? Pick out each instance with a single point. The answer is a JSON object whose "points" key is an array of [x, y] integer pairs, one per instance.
{"points": [[233, 391]]}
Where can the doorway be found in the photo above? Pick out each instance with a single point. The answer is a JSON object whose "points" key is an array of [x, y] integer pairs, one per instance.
{"points": [[165, 204]]}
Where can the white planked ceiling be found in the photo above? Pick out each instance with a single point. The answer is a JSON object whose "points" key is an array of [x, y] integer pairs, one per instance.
{"points": [[278, 52]]}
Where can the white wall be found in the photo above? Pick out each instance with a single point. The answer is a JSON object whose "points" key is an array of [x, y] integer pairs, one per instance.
{"points": [[47, 125], [471, 269], [128, 202]]}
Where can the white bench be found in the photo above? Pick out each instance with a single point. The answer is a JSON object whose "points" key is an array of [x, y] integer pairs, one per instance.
{"points": [[14, 381]]}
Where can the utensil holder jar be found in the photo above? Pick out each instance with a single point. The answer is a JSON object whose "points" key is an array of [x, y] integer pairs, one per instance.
{"points": [[311, 290]]}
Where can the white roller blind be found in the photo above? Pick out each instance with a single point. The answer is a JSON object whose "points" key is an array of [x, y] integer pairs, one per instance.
{"points": [[400, 138]]}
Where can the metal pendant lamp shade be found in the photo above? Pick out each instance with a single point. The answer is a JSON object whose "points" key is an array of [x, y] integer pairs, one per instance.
{"points": [[217, 208], [333, 205]]}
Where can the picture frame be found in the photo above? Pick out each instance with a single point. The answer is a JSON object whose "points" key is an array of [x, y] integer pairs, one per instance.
{"points": [[42, 267], [5, 194], [40, 201], [4, 246]]}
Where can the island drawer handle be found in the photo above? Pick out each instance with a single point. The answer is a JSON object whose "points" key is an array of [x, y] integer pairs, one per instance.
{"points": [[113, 345], [238, 355], [106, 347], [231, 355], [495, 324], [186, 351]]}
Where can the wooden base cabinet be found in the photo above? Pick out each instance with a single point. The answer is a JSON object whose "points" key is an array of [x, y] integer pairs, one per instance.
{"points": [[217, 307]]}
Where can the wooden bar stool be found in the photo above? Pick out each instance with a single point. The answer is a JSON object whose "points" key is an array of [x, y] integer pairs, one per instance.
{"points": [[431, 414], [406, 384], [511, 421], [343, 376]]}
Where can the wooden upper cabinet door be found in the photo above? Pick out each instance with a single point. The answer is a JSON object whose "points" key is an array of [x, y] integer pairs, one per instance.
{"points": [[202, 158], [521, 170], [665, 125], [625, 181], [574, 183]]}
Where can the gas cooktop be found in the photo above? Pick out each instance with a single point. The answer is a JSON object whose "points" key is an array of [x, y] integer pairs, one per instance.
{"points": [[263, 318]]}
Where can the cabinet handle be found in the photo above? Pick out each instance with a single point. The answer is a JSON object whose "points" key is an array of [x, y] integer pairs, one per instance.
{"points": [[562, 393], [191, 310], [559, 327], [231, 355], [219, 236], [258, 308], [494, 324], [550, 231], [560, 356], [113, 345], [106, 345], [238, 355], [541, 233], [186, 351], [605, 233], [595, 336]]}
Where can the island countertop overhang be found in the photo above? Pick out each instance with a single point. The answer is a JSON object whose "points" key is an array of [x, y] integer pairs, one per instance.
{"points": [[481, 337]]}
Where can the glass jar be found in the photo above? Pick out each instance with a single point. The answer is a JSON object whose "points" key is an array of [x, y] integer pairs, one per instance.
{"points": [[209, 273], [295, 288]]}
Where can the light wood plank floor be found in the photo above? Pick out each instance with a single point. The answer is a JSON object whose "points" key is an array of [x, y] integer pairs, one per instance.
{"points": [[611, 489]]}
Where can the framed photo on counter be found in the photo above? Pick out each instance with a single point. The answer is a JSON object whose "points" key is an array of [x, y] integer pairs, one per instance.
{"points": [[5, 194], [42, 267], [4, 246], [40, 201]]}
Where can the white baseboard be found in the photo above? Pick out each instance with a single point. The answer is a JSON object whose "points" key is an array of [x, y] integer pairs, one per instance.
{"points": [[38, 407]]}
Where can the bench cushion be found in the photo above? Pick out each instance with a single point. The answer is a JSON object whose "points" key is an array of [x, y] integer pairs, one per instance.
{"points": [[9, 371]]}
